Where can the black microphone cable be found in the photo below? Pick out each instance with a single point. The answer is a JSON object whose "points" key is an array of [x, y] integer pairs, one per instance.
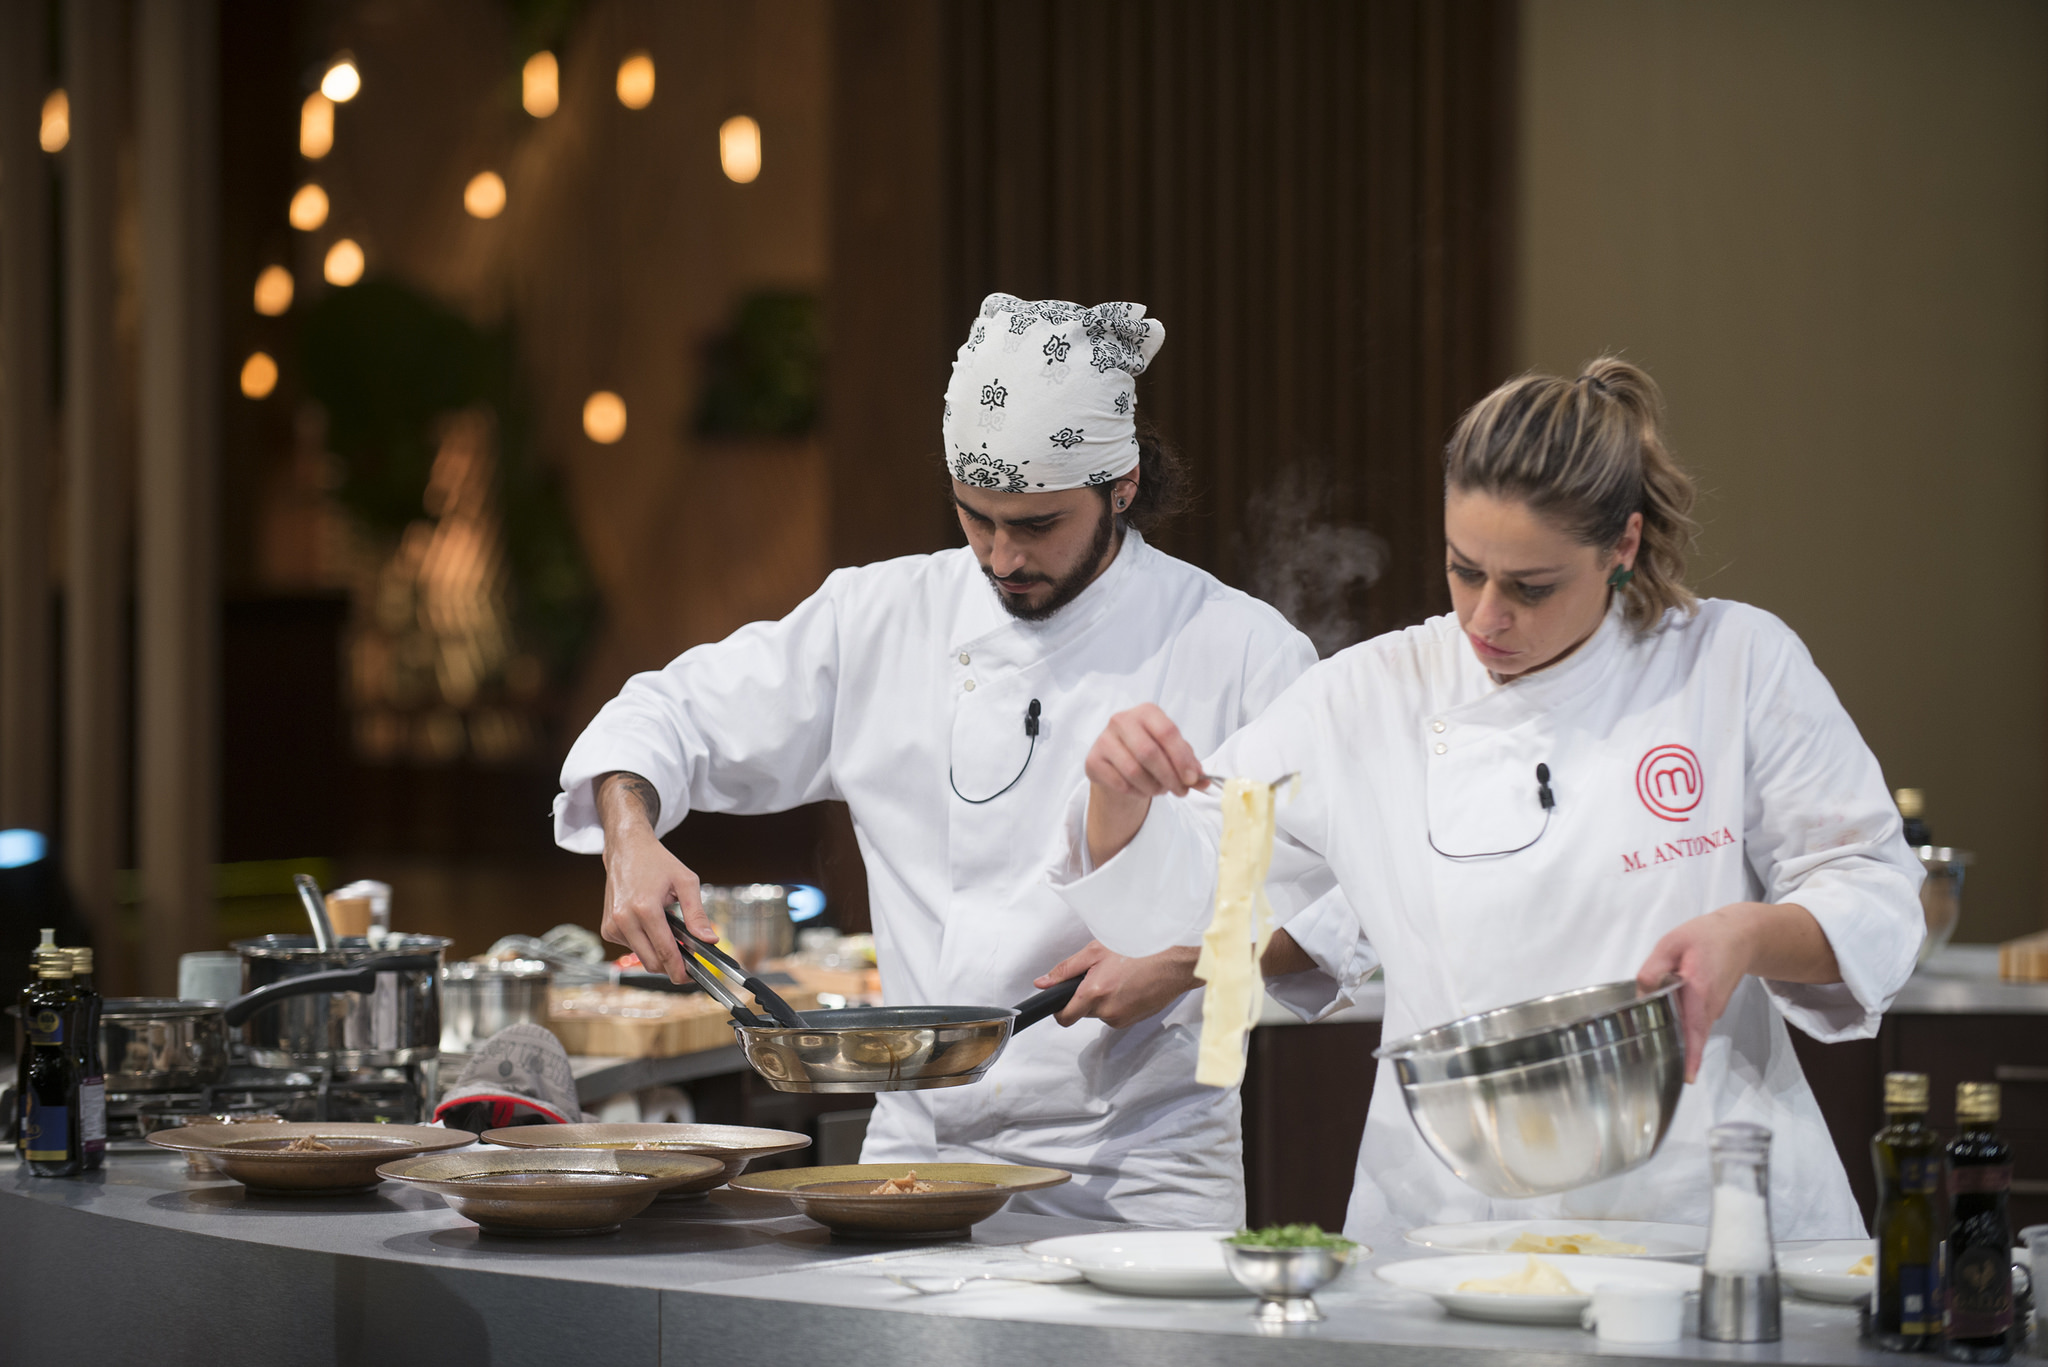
{"points": [[1543, 796], [1031, 730]]}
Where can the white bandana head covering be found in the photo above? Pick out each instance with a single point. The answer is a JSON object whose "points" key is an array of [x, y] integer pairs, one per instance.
{"points": [[1044, 395]]}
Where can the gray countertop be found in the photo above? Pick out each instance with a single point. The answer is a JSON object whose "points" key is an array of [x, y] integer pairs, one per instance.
{"points": [[121, 1256], [1957, 980]]}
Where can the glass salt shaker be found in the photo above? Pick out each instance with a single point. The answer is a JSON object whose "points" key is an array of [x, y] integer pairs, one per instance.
{"points": [[1739, 1300]]}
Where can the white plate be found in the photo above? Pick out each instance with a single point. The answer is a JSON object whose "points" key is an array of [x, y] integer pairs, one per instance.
{"points": [[1175, 1262], [1441, 1277], [1494, 1236], [1820, 1270]]}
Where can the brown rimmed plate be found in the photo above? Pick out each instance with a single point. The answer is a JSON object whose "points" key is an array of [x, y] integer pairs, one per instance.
{"points": [[843, 1198], [261, 1158], [550, 1193], [734, 1146]]}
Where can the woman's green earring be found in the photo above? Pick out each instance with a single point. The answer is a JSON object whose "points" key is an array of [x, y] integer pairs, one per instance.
{"points": [[1619, 579]]}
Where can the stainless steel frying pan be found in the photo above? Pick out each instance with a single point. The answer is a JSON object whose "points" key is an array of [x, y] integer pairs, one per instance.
{"points": [[861, 1048]]}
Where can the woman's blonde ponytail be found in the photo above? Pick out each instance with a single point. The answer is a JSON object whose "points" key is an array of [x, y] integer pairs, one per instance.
{"points": [[1587, 453]]}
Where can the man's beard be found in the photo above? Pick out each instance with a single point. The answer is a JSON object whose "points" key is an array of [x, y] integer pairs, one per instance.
{"points": [[1067, 588]]}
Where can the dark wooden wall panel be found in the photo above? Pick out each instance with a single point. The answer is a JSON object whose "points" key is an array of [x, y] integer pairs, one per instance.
{"points": [[1311, 194]]}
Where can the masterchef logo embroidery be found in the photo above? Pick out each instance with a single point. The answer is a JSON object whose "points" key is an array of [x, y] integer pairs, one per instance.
{"points": [[1669, 783]]}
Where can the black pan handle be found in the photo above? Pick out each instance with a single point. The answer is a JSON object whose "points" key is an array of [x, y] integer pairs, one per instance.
{"points": [[360, 977], [1034, 1009]]}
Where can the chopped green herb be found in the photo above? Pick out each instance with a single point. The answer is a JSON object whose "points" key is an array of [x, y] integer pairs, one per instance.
{"points": [[1289, 1236]]}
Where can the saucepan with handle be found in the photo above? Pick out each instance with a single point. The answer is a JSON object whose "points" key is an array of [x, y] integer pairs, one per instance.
{"points": [[860, 1048]]}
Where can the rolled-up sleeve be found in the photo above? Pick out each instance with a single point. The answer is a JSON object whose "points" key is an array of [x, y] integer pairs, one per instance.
{"points": [[739, 725], [1822, 833], [1329, 933]]}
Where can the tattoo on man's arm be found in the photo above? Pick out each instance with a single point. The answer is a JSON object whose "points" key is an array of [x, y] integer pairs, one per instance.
{"points": [[650, 800]]}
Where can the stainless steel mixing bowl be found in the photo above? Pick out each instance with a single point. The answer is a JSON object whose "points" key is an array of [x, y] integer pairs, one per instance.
{"points": [[1550, 1094]]}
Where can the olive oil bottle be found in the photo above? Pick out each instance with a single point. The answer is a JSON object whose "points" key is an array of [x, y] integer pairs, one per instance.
{"points": [[1905, 1309], [52, 1138], [1977, 1259]]}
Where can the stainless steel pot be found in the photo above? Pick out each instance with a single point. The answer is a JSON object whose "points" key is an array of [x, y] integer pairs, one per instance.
{"points": [[1941, 895], [1547, 1095], [479, 1000], [396, 1022], [162, 1044], [753, 920]]}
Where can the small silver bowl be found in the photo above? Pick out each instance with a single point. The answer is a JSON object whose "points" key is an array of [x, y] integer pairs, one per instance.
{"points": [[1286, 1279]]}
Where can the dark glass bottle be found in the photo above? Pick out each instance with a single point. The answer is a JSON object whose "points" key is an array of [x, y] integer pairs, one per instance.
{"points": [[92, 1074], [21, 1052], [1977, 1259], [51, 1139], [1905, 1309], [1912, 804]]}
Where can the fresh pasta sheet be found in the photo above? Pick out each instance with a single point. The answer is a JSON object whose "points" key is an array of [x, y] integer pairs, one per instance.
{"points": [[1237, 934]]}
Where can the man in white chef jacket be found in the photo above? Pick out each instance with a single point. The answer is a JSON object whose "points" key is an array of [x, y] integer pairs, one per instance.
{"points": [[903, 688]]}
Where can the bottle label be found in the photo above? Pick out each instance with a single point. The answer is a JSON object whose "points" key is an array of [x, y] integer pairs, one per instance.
{"points": [[1971, 1181], [92, 1114], [45, 1132], [1917, 1313], [1979, 1294], [46, 1027], [1920, 1176]]}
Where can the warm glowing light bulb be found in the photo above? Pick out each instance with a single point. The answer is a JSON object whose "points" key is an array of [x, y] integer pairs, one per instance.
{"points": [[316, 127], [341, 82], [484, 196], [56, 129], [273, 291], [604, 417], [739, 148], [344, 264], [309, 207], [540, 85], [636, 81], [259, 375]]}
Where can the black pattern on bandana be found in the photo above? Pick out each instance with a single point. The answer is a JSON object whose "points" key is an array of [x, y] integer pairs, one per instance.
{"points": [[1056, 348], [993, 394], [1067, 438], [984, 471]]}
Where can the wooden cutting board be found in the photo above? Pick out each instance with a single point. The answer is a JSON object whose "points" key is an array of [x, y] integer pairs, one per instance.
{"points": [[2024, 960], [626, 1022]]}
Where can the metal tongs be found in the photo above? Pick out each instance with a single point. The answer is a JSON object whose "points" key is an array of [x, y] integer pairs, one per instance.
{"points": [[1219, 780], [714, 970]]}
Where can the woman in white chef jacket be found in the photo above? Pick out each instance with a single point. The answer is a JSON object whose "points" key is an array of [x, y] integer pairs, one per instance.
{"points": [[1716, 814]]}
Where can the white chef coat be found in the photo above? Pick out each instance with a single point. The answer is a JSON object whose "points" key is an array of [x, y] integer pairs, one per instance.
{"points": [[888, 677], [1702, 763]]}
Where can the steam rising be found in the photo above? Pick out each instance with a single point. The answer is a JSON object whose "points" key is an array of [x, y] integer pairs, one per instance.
{"points": [[1308, 567]]}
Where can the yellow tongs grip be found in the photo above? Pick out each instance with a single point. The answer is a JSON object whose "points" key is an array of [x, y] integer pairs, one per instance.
{"points": [[714, 971]]}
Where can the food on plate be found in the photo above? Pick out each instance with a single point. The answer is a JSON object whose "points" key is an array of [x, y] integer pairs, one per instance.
{"points": [[898, 1186], [306, 1143], [1586, 1244], [1863, 1267], [1289, 1236], [1237, 934], [1537, 1278]]}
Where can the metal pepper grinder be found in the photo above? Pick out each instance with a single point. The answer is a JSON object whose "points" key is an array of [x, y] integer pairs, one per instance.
{"points": [[1739, 1297]]}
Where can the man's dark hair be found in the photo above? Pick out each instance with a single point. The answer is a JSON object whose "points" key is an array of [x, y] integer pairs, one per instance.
{"points": [[1164, 485]]}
